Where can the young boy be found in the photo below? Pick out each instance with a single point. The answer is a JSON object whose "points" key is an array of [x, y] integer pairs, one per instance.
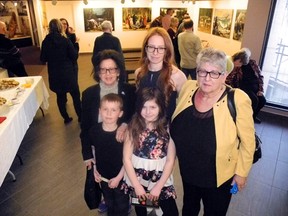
{"points": [[108, 155]]}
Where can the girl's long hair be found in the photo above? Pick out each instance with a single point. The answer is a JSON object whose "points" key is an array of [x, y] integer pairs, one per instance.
{"points": [[137, 125], [164, 80]]}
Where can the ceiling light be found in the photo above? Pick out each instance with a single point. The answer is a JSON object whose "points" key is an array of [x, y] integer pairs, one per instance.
{"points": [[54, 2]]}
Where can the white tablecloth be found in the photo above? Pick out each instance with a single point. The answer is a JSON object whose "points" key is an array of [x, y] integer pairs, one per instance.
{"points": [[19, 118]]}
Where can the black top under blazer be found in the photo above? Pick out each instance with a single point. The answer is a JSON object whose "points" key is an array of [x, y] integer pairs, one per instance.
{"points": [[90, 111]]}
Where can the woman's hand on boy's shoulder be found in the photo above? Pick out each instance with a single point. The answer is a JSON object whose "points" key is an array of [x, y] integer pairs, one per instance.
{"points": [[121, 131]]}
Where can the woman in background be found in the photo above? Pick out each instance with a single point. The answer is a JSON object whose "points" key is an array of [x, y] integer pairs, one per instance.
{"points": [[58, 51], [247, 76], [70, 32], [172, 31]]}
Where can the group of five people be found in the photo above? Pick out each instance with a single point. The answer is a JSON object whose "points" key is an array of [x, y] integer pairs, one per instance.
{"points": [[136, 131]]}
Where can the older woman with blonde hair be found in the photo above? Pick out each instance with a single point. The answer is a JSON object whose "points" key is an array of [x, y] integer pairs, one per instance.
{"points": [[214, 152], [59, 53], [157, 67]]}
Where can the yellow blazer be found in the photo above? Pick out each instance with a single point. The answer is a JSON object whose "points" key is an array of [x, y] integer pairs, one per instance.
{"points": [[232, 157]]}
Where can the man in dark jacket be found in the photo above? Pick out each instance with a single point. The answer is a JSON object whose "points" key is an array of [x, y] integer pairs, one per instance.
{"points": [[106, 40], [10, 55]]}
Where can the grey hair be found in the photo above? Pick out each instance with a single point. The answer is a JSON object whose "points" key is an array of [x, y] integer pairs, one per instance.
{"points": [[213, 57], [243, 55], [106, 25]]}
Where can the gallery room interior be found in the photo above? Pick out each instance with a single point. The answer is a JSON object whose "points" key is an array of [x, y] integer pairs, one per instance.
{"points": [[51, 179]]}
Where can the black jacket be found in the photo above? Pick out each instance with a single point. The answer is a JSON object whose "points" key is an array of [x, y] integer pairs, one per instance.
{"points": [[90, 111], [106, 41], [58, 51]]}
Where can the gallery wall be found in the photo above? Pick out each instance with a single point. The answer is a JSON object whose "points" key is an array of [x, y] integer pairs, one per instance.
{"points": [[73, 11]]}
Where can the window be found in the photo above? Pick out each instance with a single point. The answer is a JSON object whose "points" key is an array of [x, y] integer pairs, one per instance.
{"points": [[275, 62]]}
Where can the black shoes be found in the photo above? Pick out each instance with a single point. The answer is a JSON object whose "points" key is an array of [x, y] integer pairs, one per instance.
{"points": [[68, 120]]}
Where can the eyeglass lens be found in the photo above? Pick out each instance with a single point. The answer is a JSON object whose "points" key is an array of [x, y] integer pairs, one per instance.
{"points": [[106, 70], [151, 49], [212, 74]]}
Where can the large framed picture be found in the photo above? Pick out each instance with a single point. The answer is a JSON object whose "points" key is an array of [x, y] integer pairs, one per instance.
{"points": [[222, 22], [178, 12], [205, 20], [239, 25], [16, 18], [136, 18], [93, 17]]}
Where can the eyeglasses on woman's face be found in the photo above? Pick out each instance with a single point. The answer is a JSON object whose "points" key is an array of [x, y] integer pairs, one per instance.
{"points": [[111, 71], [151, 49], [212, 74]]}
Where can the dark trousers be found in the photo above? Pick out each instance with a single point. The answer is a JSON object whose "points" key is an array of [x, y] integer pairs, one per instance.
{"points": [[62, 100], [116, 200], [168, 207], [258, 102], [18, 70], [191, 72], [215, 200]]}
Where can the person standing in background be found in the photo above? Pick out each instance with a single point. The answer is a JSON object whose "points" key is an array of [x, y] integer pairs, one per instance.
{"points": [[181, 23], [10, 56], [106, 41], [166, 20], [189, 46], [172, 31], [59, 53], [70, 32], [247, 76], [157, 67]]}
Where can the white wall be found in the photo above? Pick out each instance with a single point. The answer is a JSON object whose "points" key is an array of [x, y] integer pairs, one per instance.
{"points": [[255, 27], [73, 12]]}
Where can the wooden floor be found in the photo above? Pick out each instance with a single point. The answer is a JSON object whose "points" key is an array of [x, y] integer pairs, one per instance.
{"points": [[51, 180]]}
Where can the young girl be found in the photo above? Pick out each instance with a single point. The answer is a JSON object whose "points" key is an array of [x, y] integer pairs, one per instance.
{"points": [[149, 154]]}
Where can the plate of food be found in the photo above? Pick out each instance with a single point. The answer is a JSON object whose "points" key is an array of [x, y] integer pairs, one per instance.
{"points": [[8, 84], [2, 101]]}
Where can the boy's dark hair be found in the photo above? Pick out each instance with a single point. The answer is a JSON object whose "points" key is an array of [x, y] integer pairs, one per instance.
{"points": [[188, 23], [112, 97]]}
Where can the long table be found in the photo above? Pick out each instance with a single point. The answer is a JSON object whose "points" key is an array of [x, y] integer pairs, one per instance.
{"points": [[19, 117]]}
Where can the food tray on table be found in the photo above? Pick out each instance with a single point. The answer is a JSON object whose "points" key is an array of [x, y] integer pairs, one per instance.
{"points": [[8, 84]]}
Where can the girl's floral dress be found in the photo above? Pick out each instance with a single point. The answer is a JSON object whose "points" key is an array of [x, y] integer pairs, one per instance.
{"points": [[149, 161]]}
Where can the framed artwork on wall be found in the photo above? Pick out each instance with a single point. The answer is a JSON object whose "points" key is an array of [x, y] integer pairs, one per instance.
{"points": [[205, 20], [136, 18], [16, 18], [93, 17], [222, 22], [178, 12], [239, 25]]}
